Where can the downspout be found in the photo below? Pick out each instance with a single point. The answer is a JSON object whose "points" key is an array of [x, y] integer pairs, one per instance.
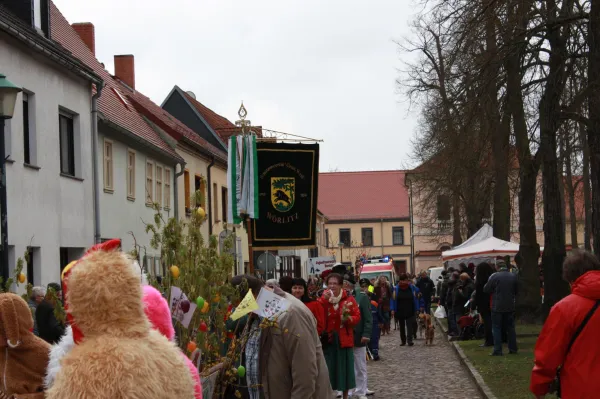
{"points": [[176, 191], [209, 193], [95, 182], [382, 254]]}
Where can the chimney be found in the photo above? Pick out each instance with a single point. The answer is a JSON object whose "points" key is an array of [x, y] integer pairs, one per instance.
{"points": [[86, 32], [125, 69]]}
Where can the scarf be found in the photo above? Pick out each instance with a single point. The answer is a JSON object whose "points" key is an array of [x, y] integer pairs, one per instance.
{"points": [[335, 300]]}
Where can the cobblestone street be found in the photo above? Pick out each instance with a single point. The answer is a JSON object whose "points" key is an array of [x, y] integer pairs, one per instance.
{"points": [[413, 372]]}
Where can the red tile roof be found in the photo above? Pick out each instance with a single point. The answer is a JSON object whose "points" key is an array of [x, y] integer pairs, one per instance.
{"points": [[363, 195], [111, 106], [221, 125], [169, 123]]}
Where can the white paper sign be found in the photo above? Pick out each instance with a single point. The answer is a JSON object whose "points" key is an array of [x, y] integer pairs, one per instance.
{"points": [[270, 304], [316, 266], [177, 297]]}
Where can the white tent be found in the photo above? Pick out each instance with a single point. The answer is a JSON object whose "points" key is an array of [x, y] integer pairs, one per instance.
{"points": [[486, 231], [491, 246]]}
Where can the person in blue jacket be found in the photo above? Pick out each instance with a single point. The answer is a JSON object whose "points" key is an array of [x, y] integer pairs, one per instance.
{"points": [[405, 306], [378, 321]]}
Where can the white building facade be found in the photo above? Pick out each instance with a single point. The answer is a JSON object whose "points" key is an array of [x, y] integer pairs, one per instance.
{"points": [[48, 144]]}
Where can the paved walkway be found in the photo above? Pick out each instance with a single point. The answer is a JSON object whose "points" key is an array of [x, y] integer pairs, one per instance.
{"points": [[414, 372]]}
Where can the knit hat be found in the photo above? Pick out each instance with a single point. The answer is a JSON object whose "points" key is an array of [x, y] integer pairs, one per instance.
{"points": [[349, 278]]}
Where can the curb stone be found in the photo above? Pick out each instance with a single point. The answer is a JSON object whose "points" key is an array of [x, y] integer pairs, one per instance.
{"points": [[477, 378]]}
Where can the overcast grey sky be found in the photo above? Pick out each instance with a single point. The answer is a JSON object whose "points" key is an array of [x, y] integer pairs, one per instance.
{"points": [[319, 68]]}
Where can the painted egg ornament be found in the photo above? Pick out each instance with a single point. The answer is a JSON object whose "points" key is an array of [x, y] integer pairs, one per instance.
{"points": [[21, 277], [205, 308], [174, 271], [241, 371], [200, 302], [217, 298], [185, 306], [200, 212], [191, 346], [203, 327]]}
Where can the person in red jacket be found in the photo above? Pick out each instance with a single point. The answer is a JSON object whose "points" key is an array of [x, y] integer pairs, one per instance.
{"points": [[341, 315], [579, 366], [300, 291]]}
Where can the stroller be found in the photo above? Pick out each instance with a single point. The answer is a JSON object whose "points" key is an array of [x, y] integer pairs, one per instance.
{"points": [[470, 327]]}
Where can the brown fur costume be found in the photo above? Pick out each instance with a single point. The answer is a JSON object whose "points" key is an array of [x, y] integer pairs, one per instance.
{"points": [[23, 356], [120, 356]]}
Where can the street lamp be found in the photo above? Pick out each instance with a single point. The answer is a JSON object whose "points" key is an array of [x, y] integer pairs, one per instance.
{"points": [[8, 98], [341, 245]]}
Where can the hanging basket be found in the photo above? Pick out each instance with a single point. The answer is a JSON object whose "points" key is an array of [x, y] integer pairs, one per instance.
{"points": [[209, 380]]}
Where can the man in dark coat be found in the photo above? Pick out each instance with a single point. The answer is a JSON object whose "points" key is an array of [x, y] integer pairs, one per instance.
{"points": [[427, 288], [49, 328]]}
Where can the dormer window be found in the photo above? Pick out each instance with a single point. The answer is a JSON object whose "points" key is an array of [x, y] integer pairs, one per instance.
{"points": [[37, 14]]}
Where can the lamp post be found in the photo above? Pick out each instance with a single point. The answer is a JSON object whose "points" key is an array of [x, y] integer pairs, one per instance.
{"points": [[341, 245], [8, 98]]}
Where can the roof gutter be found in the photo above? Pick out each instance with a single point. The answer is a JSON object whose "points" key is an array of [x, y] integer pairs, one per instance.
{"points": [[210, 206], [54, 55], [95, 182]]}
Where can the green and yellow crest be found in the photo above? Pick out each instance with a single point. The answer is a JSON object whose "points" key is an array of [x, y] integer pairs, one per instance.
{"points": [[283, 193]]}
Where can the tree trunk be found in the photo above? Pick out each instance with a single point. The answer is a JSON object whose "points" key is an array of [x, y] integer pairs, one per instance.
{"points": [[549, 109], [456, 235], [594, 115], [570, 188], [587, 198], [529, 300]]}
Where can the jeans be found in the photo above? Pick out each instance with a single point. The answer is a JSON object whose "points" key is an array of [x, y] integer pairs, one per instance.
{"points": [[452, 326], [500, 321], [406, 326], [360, 371], [487, 325]]}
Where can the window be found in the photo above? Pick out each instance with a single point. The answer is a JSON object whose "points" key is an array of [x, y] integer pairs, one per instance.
{"points": [[30, 266], [149, 182], [367, 237], [327, 238], [130, 174], [443, 207], [26, 141], [215, 203], [187, 194], [345, 237], [108, 166], [200, 187], [159, 186], [224, 204], [67, 145], [167, 183], [398, 235]]}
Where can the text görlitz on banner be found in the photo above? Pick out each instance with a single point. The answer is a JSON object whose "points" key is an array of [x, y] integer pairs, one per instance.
{"points": [[288, 182]]}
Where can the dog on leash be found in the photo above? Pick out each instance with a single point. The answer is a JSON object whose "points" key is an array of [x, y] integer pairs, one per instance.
{"points": [[429, 328], [422, 325]]}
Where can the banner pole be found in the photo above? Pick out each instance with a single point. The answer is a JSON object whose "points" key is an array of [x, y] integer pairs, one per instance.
{"points": [[250, 250]]}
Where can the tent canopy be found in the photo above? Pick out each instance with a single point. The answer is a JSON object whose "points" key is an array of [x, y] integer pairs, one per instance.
{"points": [[486, 231], [491, 246]]}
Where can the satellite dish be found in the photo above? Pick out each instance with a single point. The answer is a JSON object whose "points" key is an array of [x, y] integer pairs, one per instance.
{"points": [[191, 94]]}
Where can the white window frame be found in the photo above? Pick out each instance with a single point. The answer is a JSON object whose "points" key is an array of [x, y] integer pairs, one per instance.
{"points": [[167, 189], [130, 177], [149, 194], [108, 166], [158, 178]]}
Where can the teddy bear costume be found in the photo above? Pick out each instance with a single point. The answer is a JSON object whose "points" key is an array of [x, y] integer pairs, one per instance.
{"points": [[117, 354], [23, 356]]}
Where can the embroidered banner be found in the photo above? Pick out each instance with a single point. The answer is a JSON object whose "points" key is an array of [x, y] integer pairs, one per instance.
{"points": [[288, 180]]}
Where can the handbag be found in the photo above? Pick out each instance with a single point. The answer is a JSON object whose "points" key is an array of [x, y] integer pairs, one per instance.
{"points": [[555, 384]]}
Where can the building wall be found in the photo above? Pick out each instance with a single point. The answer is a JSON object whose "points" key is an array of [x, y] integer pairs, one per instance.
{"points": [[120, 214], [382, 240], [47, 211], [197, 164]]}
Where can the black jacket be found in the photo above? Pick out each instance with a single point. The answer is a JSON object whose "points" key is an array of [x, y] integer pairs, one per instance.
{"points": [[444, 290], [50, 329], [427, 288], [462, 293], [503, 286]]}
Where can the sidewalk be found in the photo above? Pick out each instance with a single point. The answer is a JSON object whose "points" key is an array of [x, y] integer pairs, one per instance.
{"points": [[419, 372]]}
